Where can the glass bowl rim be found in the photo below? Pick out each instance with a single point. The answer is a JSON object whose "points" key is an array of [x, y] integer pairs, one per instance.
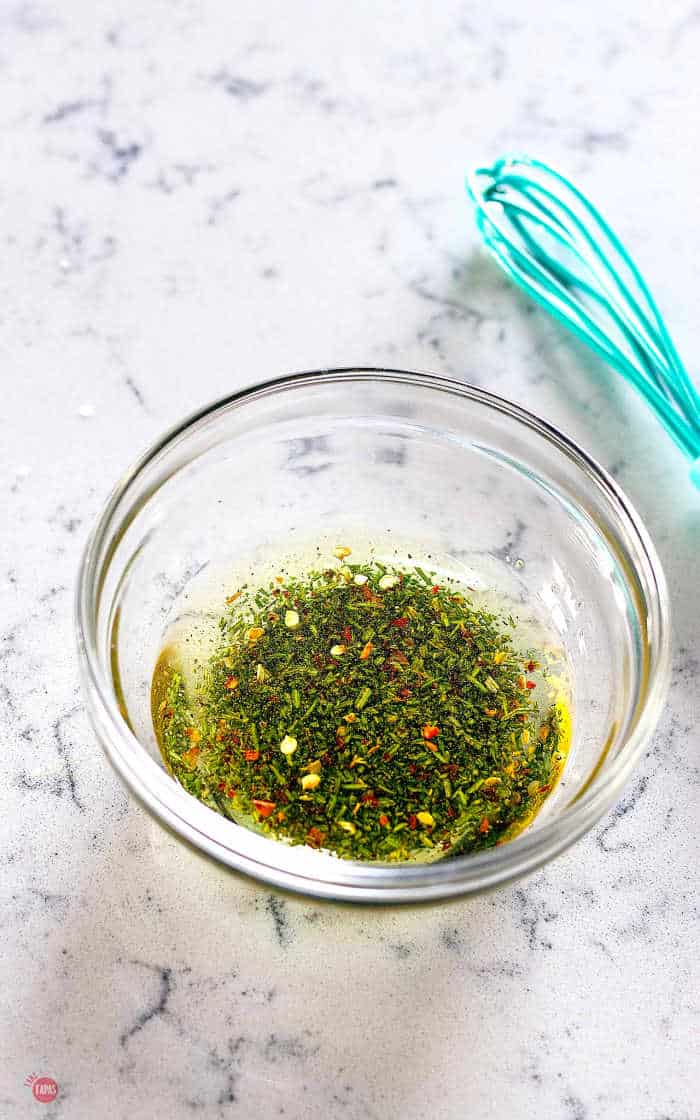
{"points": [[268, 860]]}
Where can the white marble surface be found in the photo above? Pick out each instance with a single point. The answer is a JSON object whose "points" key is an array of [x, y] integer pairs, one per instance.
{"points": [[199, 195]]}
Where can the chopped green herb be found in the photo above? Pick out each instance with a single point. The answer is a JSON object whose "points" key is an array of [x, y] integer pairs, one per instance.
{"points": [[374, 742]]}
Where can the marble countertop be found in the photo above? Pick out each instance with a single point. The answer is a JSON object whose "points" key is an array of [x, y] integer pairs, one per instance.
{"points": [[198, 195]]}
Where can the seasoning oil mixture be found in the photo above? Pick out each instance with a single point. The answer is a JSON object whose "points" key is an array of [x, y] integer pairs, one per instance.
{"points": [[372, 711]]}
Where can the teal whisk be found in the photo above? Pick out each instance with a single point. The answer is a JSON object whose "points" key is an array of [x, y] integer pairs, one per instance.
{"points": [[554, 244]]}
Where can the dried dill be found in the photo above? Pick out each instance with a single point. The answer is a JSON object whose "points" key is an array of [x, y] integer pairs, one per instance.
{"points": [[366, 710]]}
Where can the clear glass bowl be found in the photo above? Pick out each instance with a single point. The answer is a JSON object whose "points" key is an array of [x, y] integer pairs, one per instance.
{"points": [[394, 457]]}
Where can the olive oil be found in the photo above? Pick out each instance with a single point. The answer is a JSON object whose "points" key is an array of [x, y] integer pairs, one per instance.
{"points": [[377, 709]]}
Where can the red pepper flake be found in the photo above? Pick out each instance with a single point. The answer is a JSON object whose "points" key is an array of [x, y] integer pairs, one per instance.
{"points": [[369, 798], [431, 731], [400, 623], [450, 812], [231, 683], [435, 588], [384, 820], [530, 667], [222, 786], [387, 756], [369, 596], [412, 822], [315, 837], [484, 827], [404, 693], [251, 756], [264, 808], [412, 768], [530, 684], [347, 634], [231, 793], [191, 757]]}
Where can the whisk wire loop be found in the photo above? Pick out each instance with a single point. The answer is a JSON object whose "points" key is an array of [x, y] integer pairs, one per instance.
{"points": [[550, 239]]}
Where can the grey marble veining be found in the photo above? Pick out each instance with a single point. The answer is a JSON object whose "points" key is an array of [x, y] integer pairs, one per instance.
{"points": [[197, 195]]}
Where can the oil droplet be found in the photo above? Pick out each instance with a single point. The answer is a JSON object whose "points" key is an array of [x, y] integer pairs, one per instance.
{"points": [[519, 564], [86, 411]]}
